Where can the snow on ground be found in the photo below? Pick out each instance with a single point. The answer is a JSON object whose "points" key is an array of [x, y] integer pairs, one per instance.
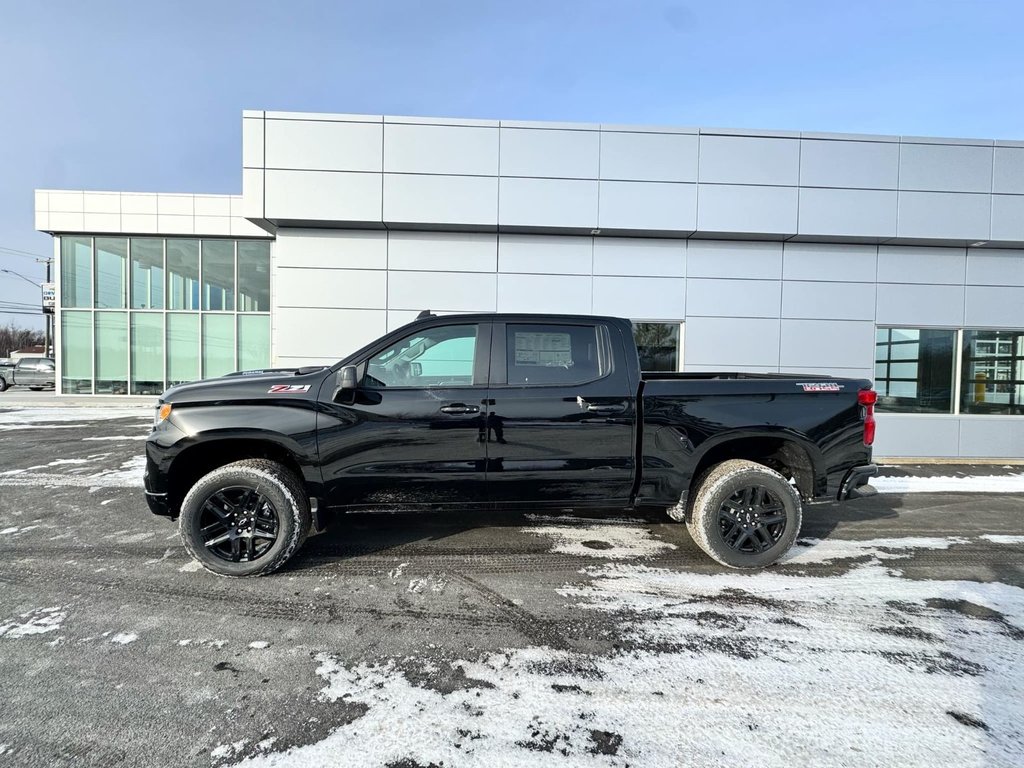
{"points": [[128, 475], [775, 668], [1000, 539], [614, 542], [123, 638], [53, 418], [948, 484], [829, 550], [38, 621]]}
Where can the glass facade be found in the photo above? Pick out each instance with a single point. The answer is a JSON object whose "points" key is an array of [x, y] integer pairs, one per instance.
{"points": [[141, 314], [916, 370], [992, 379]]}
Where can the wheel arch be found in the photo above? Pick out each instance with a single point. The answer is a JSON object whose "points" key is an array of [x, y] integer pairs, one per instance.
{"points": [[790, 455], [204, 456]]}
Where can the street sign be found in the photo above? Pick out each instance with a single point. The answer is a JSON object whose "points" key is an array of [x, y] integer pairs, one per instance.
{"points": [[49, 297]]}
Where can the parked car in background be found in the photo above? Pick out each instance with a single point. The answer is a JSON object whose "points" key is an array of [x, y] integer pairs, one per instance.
{"points": [[36, 373], [6, 372]]}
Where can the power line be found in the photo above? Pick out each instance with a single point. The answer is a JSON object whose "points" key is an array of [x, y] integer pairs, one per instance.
{"points": [[26, 254]]}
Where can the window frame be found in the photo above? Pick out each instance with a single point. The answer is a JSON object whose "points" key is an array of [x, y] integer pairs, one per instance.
{"points": [[499, 354], [681, 324], [480, 356], [953, 406]]}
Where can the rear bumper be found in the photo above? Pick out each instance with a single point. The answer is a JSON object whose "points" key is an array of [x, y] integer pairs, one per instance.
{"points": [[854, 479]]}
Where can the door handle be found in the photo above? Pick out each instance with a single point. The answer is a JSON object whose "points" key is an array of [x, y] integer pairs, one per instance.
{"points": [[457, 408], [606, 408]]}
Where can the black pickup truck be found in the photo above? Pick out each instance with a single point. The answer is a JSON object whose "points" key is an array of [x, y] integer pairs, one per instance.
{"points": [[502, 410]]}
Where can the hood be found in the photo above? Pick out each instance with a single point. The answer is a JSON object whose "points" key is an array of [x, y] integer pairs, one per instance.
{"points": [[260, 384]]}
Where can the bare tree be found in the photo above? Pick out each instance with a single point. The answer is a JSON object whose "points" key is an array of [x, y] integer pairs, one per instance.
{"points": [[13, 338]]}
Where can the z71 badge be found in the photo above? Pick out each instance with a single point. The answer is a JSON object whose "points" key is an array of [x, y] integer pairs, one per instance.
{"points": [[821, 386], [288, 389]]}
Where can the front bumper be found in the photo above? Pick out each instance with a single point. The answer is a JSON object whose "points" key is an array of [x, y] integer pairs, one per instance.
{"points": [[854, 479], [155, 484]]}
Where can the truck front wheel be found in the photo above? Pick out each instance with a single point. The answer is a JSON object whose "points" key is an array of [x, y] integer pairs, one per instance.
{"points": [[744, 514], [245, 519]]}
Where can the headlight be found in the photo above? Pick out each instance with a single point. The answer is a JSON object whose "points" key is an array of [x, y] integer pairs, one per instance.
{"points": [[163, 410]]}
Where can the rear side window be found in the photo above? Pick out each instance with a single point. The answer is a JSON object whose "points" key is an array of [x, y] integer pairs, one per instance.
{"points": [[555, 354]]}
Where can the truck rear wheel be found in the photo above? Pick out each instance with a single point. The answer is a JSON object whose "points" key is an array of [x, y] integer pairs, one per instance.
{"points": [[245, 519], [744, 514]]}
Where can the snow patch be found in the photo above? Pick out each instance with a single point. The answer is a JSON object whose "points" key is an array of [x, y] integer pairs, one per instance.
{"points": [[129, 475], [118, 437], [259, 645], [123, 638], [609, 541], [38, 621], [997, 538], [947, 484], [828, 550], [191, 567]]}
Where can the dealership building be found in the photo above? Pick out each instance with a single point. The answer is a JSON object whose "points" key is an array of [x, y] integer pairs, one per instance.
{"points": [[897, 259]]}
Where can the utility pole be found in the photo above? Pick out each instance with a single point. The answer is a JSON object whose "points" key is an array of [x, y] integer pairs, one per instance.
{"points": [[48, 316]]}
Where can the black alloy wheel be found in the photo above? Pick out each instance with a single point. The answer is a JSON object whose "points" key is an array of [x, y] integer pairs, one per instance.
{"points": [[752, 520], [744, 514], [238, 524]]}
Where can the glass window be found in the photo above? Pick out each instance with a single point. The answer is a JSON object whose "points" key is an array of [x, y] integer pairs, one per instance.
{"points": [[914, 370], [111, 272], [147, 273], [218, 275], [218, 345], [76, 272], [182, 347], [435, 357], [253, 342], [147, 353], [658, 346], [183, 274], [553, 354], [992, 378], [76, 352], [111, 353], [253, 276]]}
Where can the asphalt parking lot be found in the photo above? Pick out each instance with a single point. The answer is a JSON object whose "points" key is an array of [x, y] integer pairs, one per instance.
{"points": [[893, 635]]}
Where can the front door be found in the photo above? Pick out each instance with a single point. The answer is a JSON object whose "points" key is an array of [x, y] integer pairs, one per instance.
{"points": [[561, 416], [410, 435]]}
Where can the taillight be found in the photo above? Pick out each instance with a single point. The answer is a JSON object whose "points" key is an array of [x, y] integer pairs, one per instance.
{"points": [[868, 398]]}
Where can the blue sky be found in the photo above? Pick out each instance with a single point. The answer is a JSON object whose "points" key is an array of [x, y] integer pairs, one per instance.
{"points": [[148, 96]]}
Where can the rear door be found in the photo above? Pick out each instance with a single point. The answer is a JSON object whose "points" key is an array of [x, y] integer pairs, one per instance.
{"points": [[561, 415], [411, 433]]}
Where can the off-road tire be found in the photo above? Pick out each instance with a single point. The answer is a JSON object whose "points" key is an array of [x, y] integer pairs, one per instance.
{"points": [[278, 485], [717, 487]]}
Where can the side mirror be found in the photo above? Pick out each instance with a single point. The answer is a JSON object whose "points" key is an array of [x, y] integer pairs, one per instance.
{"points": [[345, 388], [347, 378]]}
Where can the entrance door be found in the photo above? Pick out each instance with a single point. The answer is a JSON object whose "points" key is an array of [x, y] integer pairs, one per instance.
{"points": [[411, 434]]}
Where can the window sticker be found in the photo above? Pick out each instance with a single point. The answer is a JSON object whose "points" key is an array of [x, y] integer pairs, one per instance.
{"points": [[543, 349]]}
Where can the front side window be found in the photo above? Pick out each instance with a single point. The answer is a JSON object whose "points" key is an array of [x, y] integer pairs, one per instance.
{"points": [[434, 357], [554, 354], [914, 370], [992, 378]]}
